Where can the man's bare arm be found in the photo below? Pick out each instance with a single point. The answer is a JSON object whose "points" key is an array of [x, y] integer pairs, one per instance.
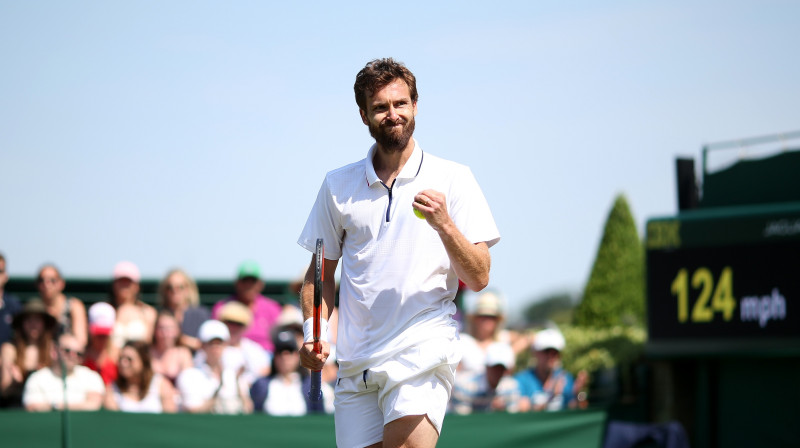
{"points": [[308, 358]]}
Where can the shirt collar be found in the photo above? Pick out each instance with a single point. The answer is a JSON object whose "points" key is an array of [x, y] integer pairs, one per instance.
{"points": [[409, 171]]}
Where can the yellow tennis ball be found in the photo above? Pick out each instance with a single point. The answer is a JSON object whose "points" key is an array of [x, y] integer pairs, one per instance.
{"points": [[418, 213]]}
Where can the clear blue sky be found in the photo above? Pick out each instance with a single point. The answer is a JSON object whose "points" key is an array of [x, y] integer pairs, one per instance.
{"points": [[196, 133]]}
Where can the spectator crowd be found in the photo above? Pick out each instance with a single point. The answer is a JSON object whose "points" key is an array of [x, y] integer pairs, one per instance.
{"points": [[238, 357]]}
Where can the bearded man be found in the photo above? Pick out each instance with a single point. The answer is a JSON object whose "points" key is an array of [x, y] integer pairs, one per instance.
{"points": [[397, 340]]}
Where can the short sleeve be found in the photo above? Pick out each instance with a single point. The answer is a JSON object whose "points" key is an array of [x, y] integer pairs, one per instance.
{"points": [[34, 390], [470, 210], [94, 382], [323, 222]]}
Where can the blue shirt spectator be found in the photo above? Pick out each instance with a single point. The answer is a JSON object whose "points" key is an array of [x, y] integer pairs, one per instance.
{"points": [[546, 387], [552, 395]]}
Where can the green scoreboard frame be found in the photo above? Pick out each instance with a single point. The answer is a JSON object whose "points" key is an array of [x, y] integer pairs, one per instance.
{"points": [[725, 280]]}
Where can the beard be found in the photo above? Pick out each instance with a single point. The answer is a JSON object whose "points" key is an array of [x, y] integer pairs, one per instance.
{"points": [[392, 140]]}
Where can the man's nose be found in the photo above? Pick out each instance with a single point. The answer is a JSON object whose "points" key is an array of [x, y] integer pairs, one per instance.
{"points": [[392, 114]]}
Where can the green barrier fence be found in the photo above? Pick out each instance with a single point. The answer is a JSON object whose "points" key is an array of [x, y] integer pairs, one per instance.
{"points": [[567, 429]]}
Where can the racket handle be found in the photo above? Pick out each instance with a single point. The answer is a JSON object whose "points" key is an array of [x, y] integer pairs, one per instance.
{"points": [[315, 393]]}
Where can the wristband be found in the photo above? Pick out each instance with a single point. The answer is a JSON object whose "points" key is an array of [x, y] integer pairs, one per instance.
{"points": [[308, 330]]}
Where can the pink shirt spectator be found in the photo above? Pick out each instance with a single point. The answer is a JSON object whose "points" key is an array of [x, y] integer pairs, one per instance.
{"points": [[265, 314]]}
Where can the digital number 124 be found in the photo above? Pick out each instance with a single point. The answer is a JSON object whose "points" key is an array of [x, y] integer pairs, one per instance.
{"points": [[711, 300]]}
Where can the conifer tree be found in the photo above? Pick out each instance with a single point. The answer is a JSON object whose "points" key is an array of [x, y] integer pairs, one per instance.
{"points": [[615, 292]]}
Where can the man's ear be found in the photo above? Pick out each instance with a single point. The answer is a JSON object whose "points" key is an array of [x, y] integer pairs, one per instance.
{"points": [[363, 115]]}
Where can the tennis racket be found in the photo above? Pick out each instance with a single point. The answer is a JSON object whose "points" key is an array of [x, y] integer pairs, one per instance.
{"points": [[315, 393]]}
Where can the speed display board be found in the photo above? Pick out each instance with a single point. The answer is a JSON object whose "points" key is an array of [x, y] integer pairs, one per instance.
{"points": [[724, 282]]}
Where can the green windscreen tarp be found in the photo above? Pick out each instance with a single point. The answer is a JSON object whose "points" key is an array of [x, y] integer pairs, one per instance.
{"points": [[566, 429], [768, 180]]}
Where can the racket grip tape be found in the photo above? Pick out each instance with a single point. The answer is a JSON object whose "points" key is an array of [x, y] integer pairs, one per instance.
{"points": [[315, 393]]}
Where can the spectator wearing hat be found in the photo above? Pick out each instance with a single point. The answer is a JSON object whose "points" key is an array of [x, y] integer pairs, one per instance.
{"points": [[546, 386], [70, 313], [178, 293], [210, 387], [493, 390], [45, 389], [135, 319], [9, 304], [101, 354], [485, 326], [27, 352], [265, 311], [241, 354], [285, 391]]}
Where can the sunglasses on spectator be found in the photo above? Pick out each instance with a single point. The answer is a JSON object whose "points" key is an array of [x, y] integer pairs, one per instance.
{"points": [[70, 352], [179, 287], [50, 280]]}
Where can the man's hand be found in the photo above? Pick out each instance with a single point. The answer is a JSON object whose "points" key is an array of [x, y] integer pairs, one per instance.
{"points": [[433, 205], [311, 359]]}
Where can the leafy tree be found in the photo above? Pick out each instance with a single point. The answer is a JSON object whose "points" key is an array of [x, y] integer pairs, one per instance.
{"points": [[614, 294], [594, 349], [555, 307]]}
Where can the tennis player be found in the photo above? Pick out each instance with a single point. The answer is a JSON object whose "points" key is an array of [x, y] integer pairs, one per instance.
{"points": [[397, 341]]}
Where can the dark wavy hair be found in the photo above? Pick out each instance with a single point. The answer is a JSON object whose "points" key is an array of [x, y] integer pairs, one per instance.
{"points": [[379, 73], [44, 346], [146, 375]]}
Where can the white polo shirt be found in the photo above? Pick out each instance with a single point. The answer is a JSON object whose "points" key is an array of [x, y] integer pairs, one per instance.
{"points": [[249, 355], [397, 283], [44, 386], [197, 384]]}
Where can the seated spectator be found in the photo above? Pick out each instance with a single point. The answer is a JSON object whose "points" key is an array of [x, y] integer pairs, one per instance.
{"points": [[135, 319], [45, 390], [211, 388], [178, 293], [27, 352], [285, 391], [168, 357], [9, 304], [242, 354], [546, 386], [101, 354], [485, 327], [138, 388], [265, 310], [492, 390], [70, 313], [502, 391]]}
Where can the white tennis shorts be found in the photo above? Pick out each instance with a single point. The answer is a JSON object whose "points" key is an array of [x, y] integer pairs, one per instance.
{"points": [[416, 381]]}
